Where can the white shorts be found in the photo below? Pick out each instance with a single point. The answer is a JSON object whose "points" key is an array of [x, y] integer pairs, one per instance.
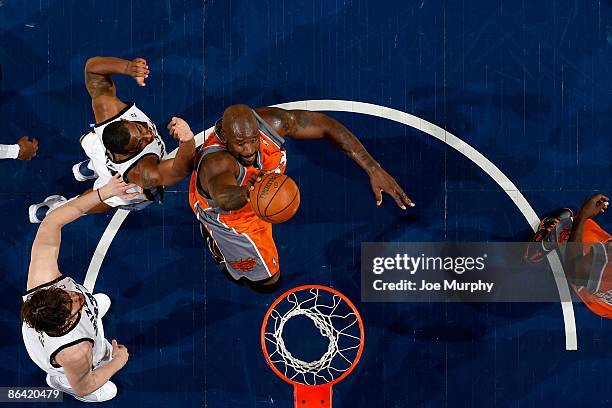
{"points": [[94, 149]]}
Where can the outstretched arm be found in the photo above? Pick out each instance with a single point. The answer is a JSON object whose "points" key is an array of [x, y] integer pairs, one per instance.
{"points": [[301, 124], [45, 249], [149, 173], [98, 71]]}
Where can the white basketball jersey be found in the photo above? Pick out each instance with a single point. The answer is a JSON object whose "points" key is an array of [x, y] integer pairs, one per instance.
{"points": [[43, 348], [156, 147]]}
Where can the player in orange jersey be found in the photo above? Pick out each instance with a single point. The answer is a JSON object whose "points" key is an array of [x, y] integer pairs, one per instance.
{"points": [[245, 144], [586, 249], [588, 257]]}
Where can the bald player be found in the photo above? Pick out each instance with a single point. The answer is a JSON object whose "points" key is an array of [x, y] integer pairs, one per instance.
{"points": [[247, 143]]}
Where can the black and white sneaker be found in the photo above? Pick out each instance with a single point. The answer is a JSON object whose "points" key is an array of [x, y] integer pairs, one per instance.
{"points": [[82, 171], [38, 212]]}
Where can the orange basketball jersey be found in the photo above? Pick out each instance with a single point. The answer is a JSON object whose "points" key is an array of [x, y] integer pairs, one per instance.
{"points": [[271, 158], [599, 302]]}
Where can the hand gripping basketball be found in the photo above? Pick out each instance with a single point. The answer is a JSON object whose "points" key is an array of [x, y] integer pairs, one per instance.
{"points": [[275, 198]]}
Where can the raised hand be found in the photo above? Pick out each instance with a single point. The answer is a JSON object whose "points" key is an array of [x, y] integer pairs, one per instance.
{"points": [[593, 206], [117, 187], [138, 69], [120, 353], [179, 129], [381, 181]]}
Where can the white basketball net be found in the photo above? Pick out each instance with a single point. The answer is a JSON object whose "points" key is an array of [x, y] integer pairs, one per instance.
{"points": [[341, 330]]}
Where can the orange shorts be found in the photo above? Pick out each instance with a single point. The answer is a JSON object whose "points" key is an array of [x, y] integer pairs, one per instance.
{"points": [[244, 240]]}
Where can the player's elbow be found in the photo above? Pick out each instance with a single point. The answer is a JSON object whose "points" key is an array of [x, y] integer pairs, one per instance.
{"points": [[151, 179], [226, 201], [91, 63]]}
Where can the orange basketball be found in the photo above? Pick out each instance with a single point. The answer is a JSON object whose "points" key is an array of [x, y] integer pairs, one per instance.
{"points": [[276, 198]]}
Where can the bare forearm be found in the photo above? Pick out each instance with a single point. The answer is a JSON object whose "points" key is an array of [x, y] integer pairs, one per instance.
{"points": [[96, 378], [45, 248], [345, 141], [171, 171], [183, 162], [231, 198], [106, 65], [73, 209]]}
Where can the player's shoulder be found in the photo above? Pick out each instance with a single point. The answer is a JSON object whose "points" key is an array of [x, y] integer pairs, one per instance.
{"points": [[218, 158], [107, 107], [283, 121], [75, 354], [274, 116], [219, 161]]}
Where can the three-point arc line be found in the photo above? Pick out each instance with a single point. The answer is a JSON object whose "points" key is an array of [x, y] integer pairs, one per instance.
{"points": [[571, 341]]}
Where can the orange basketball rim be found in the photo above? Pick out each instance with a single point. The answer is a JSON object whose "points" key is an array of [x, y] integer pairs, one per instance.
{"points": [[337, 319]]}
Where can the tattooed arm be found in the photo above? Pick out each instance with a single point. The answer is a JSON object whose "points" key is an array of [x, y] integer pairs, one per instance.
{"points": [[149, 172], [219, 176], [98, 71], [300, 124]]}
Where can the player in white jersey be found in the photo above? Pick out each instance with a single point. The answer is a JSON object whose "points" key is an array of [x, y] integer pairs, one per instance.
{"points": [[124, 140], [62, 327]]}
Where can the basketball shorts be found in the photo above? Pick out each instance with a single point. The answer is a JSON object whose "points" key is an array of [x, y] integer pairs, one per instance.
{"points": [[247, 246]]}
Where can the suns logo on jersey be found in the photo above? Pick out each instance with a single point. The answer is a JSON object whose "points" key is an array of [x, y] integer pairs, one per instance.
{"points": [[244, 264]]}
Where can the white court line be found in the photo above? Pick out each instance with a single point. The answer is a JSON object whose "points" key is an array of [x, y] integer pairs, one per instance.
{"points": [[567, 308], [100, 252]]}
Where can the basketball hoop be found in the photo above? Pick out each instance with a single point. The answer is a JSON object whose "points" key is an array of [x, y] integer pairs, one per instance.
{"points": [[336, 319]]}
